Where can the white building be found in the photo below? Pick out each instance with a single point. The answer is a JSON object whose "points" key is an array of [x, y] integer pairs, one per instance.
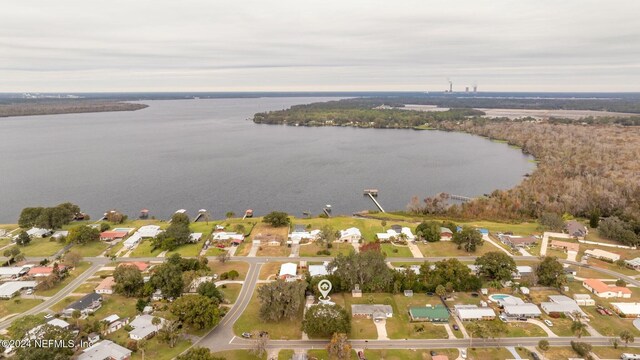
{"points": [[288, 271], [352, 235], [602, 254], [627, 309], [132, 241], [143, 327], [105, 349], [526, 310], [13, 288], [60, 234], [13, 272], [106, 286], [561, 304], [297, 236], [391, 233], [225, 236], [319, 270], [38, 233], [149, 231], [584, 300], [473, 312]]}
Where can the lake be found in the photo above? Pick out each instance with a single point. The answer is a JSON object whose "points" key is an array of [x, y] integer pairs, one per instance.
{"points": [[205, 153]]}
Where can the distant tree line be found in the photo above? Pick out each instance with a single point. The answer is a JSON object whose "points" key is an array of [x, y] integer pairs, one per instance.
{"points": [[48, 217]]}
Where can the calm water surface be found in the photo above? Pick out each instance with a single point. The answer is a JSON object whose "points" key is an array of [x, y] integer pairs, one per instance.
{"points": [[197, 154]]}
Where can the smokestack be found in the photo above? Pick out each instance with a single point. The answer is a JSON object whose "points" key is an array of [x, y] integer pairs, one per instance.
{"points": [[475, 87], [450, 86]]}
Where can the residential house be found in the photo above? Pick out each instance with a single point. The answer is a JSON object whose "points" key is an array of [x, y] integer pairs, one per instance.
{"points": [[114, 322], [195, 237], [193, 287], [143, 327], [149, 231], [226, 236], [518, 241], [445, 234], [576, 229], [561, 304], [132, 241], [60, 234], [86, 305], [113, 235], [37, 332], [319, 270], [606, 291], [438, 313], [43, 271], [564, 245], [157, 295], [142, 266], [106, 286], [13, 272], [629, 310], [603, 255], [105, 349], [13, 288], [523, 270], [396, 234], [300, 234], [376, 312], [288, 271], [584, 300], [473, 312], [439, 357], [524, 310], [633, 263], [351, 235], [38, 233]]}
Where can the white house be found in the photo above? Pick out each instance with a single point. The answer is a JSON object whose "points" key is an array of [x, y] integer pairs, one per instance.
{"points": [[297, 236], [143, 327], [60, 234], [319, 270], [600, 289], [525, 310], [473, 312], [352, 235], [132, 241], [561, 304], [149, 231], [225, 236], [105, 349], [13, 288], [288, 271], [602, 254], [627, 309], [584, 300], [37, 232], [13, 272], [195, 237], [393, 234]]}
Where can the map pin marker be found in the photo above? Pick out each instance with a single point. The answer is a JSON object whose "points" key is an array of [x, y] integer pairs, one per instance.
{"points": [[325, 287]]}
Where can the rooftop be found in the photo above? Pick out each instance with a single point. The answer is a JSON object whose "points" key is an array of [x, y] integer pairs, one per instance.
{"points": [[105, 349], [600, 286]]}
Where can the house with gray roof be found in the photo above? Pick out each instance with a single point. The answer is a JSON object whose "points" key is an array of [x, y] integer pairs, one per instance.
{"points": [[375, 312], [105, 349], [86, 305]]}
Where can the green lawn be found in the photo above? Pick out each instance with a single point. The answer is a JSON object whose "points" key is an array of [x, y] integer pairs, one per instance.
{"points": [[85, 288], [188, 249], [488, 353], [240, 266], [609, 325], [336, 248], [249, 321], [324, 355], [144, 250], [405, 354], [285, 354], [91, 249], [117, 304], [41, 247], [155, 349], [74, 273], [449, 249], [231, 292], [396, 251], [16, 306]]}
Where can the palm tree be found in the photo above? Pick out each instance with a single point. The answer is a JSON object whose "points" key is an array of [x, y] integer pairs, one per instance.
{"points": [[142, 344], [578, 328], [627, 337], [156, 321], [76, 315]]}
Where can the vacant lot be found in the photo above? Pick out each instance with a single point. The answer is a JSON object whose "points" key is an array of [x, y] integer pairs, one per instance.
{"points": [[250, 321]]}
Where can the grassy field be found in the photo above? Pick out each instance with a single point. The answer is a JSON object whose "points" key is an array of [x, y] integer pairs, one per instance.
{"points": [[396, 251], [559, 353], [312, 249], [240, 266], [270, 269], [285, 354], [41, 247], [273, 251], [249, 321], [144, 250], [609, 325], [188, 249], [561, 326], [117, 304], [74, 273], [231, 292], [488, 353], [155, 349], [87, 287], [91, 249], [406, 354], [448, 248], [324, 355], [16, 306]]}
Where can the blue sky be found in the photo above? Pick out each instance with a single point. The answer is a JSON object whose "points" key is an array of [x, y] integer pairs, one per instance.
{"points": [[204, 45]]}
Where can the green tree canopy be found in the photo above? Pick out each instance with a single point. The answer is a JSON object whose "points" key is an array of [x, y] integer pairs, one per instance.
{"points": [[496, 265], [196, 310], [550, 272], [325, 320], [468, 238], [276, 219], [429, 231], [168, 278], [83, 234], [281, 300], [129, 280]]}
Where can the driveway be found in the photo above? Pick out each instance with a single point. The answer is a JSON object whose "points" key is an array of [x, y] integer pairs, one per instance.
{"points": [[254, 250], [543, 326], [415, 250], [381, 326]]}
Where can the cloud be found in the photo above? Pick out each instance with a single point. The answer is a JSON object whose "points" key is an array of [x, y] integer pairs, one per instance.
{"points": [[573, 45]]}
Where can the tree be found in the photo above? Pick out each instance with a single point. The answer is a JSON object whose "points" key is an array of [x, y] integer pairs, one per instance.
{"points": [[429, 231], [176, 234], [551, 221], [223, 257], [281, 300], [441, 291], [197, 310], [578, 328], [543, 345], [210, 290], [23, 239], [83, 234], [142, 345], [170, 332], [260, 343], [198, 353], [616, 229], [339, 347], [276, 219], [627, 337], [551, 273], [73, 258], [583, 349], [368, 269], [621, 283], [469, 238], [233, 274], [76, 314], [129, 280], [49, 334], [22, 325], [48, 218], [13, 254], [325, 320], [594, 218], [327, 235], [496, 265], [229, 214], [141, 304], [168, 278]]}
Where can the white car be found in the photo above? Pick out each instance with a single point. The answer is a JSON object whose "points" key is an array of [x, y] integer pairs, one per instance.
{"points": [[549, 323], [463, 353]]}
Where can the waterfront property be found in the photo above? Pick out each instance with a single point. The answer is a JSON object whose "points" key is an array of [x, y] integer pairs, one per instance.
{"points": [[351, 235], [437, 313], [445, 234], [606, 291], [113, 235]]}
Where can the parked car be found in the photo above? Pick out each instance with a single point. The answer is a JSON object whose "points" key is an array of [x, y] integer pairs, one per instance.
{"points": [[502, 318], [361, 355], [48, 316], [246, 335], [548, 322], [456, 327], [433, 353], [463, 353], [535, 356], [609, 312], [601, 312]]}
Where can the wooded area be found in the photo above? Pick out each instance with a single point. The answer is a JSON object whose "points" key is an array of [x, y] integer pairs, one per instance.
{"points": [[48, 107]]}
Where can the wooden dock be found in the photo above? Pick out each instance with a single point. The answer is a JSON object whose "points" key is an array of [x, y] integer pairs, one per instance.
{"points": [[371, 196]]}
